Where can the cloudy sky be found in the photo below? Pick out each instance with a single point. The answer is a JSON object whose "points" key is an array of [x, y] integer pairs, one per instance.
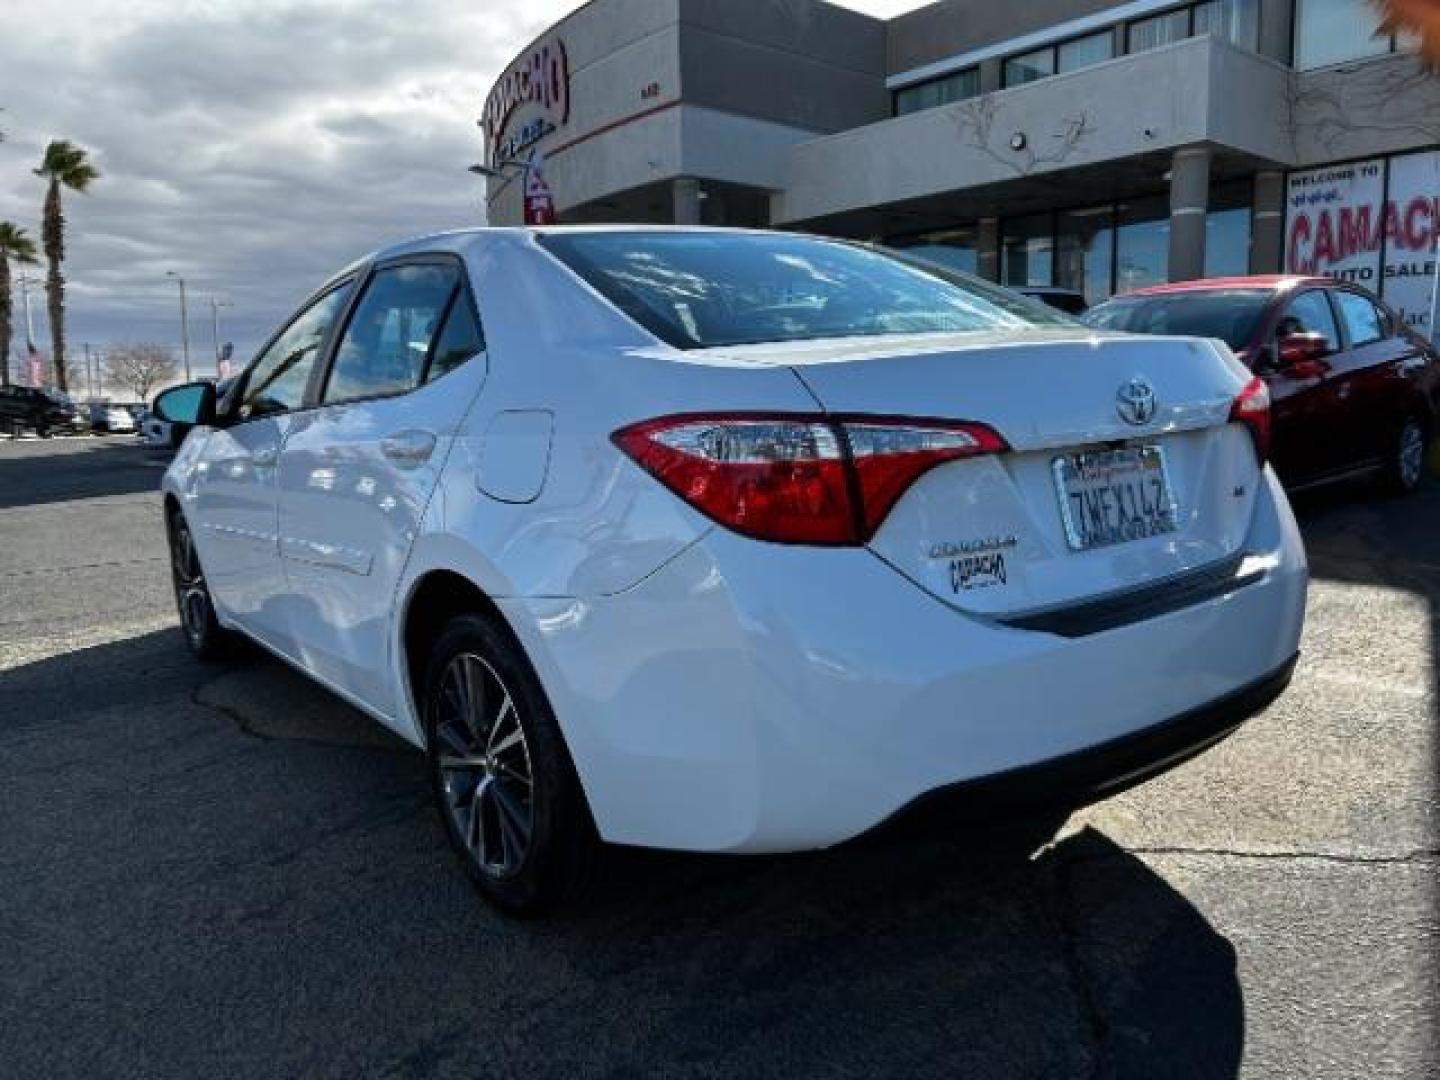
{"points": [[254, 146]]}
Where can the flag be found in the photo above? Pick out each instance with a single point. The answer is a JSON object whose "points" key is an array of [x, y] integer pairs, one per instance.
{"points": [[37, 364], [539, 199]]}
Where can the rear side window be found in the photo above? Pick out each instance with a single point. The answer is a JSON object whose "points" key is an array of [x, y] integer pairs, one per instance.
{"points": [[1362, 320], [698, 290], [399, 326]]}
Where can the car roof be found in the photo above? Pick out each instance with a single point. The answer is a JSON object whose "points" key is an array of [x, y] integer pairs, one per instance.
{"points": [[1266, 282]]}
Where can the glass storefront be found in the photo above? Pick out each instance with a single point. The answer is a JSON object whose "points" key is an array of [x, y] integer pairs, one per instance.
{"points": [[953, 248], [1027, 250], [1227, 230], [1085, 251]]}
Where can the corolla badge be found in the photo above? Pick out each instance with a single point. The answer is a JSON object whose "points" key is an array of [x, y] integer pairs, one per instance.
{"points": [[1135, 402]]}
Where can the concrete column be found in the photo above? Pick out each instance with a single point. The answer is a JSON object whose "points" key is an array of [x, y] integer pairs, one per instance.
{"points": [[1267, 224], [685, 191], [1189, 203], [987, 249]]}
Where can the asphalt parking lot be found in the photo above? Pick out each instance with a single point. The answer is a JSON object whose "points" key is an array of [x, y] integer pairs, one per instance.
{"points": [[223, 872]]}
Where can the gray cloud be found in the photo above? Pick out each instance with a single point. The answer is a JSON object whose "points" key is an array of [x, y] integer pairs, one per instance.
{"points": [[255, 146]]}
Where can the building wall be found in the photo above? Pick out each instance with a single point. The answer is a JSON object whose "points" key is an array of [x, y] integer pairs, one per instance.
{"points": [[952, 27], [804, 64], [1385, 105]]}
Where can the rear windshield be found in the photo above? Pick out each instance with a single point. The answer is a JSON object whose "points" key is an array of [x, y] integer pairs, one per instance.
{"points": [[1229, 314], [701, 290]]}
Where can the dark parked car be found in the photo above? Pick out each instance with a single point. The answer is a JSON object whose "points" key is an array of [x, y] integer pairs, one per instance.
{"points": [[1353, 389], [43, 410], [1069, 301]]}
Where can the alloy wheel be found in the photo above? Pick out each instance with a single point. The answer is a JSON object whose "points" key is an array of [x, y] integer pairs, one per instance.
{"points": [[191, 592], [484, 762]]}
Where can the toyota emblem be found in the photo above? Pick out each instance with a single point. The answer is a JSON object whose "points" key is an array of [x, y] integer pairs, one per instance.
{"points": [[1135, 402]]}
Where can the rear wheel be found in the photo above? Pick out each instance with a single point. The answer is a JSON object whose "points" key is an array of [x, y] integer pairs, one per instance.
{"points": [[1405, 466], [503, 780], [203, 633]]}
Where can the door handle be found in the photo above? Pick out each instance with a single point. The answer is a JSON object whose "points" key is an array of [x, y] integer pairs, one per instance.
{"points": [[265, 456], [408, 449]]}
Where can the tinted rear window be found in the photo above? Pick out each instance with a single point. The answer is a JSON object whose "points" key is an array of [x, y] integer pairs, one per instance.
{"points": [[700, 290], [1230, 314]]}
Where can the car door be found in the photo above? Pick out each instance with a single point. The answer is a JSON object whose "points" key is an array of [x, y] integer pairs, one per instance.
{"points": [[356, 475], [1304, 446], [232, 508], [1371, 377]]}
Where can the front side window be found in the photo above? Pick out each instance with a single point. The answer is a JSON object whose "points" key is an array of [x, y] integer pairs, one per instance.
{"points": [[277, 379], [1308, 313], [1363, 325], [703, 290], [1030, 67], [393, 336]]}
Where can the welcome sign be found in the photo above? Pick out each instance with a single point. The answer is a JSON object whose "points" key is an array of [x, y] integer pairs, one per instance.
{"points": [[1371, 222]]}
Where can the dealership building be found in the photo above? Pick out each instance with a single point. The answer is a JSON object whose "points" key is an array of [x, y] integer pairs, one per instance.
{"points": [[1093, 146]]}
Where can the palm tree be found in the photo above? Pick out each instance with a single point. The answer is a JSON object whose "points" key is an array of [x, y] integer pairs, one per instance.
{"points": [[1418, 18], [17, 247], [64, 165]]}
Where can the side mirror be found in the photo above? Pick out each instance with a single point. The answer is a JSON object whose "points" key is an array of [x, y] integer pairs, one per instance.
{"points": [[191, 405], [1302, 355]]}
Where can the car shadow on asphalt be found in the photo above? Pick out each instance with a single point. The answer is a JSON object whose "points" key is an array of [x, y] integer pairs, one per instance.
{"points": [[59, 470], [945, 944]]}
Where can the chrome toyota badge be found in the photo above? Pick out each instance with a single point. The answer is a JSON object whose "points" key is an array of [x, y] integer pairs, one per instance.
{"points": [[1135, 402]]}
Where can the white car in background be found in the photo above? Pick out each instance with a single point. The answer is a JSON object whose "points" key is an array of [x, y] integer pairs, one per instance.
{"points": [[104, 416], [734, 541]]}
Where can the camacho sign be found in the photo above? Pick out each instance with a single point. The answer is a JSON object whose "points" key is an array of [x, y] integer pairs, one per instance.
{"points": [[542, 80]]}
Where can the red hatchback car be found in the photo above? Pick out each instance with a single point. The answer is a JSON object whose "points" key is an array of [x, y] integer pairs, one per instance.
{"points": [[1352, 388]]}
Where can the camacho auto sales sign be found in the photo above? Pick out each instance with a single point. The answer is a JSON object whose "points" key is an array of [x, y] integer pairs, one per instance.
{"points": [[1342, 224], [537, 85]]}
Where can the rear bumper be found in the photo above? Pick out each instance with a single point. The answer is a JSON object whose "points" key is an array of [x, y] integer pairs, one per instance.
{"points": [[751, 697], [1111, 767]]}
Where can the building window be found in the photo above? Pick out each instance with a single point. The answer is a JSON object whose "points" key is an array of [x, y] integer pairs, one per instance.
{"points": [[1086, 51], [955, 249], [1027, 250], [1085, 251], [1227, 230], [1236, 21], [1142, 243], [936, 92], [1334, 31], [1029, 67], [1160, 30]]}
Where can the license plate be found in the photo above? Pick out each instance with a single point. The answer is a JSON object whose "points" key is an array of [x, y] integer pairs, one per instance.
{"points": [[1114, 496]]}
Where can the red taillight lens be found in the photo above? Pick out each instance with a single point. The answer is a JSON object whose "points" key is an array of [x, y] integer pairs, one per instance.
{"points": [[797, 479], [1252, 408]]}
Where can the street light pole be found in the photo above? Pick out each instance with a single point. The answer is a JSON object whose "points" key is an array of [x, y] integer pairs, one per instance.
{"points": [[184, 323], [215, 306]]}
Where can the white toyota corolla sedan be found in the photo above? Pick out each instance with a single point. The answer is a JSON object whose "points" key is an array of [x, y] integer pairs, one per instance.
{"points": [[734, 541]]}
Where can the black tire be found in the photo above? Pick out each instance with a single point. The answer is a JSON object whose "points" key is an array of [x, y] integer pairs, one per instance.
{"points": [[207, 639], [527, 842], [1404, 468]]}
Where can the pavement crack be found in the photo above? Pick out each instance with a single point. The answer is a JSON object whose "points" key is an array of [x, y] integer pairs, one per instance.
{"points": [[1422, 855], [247, 727]]}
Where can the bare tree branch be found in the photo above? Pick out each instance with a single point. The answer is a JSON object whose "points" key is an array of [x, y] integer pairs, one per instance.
{"points": [[139, 368]]}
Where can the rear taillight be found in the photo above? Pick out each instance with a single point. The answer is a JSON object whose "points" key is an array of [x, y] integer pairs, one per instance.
{"points": [[798, 479], [1252, 408]]}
